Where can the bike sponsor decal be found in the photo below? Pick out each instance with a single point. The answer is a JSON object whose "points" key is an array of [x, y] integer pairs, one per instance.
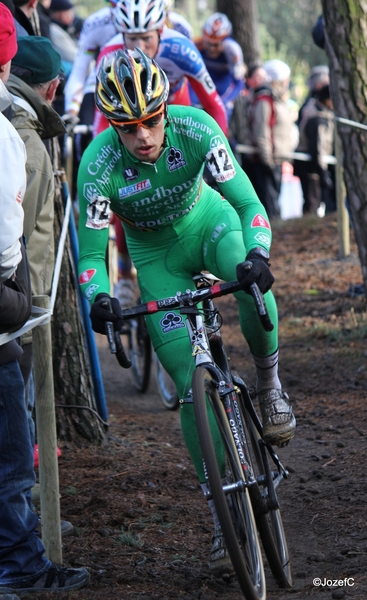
{"points": [[263, 238], [175, 159], [217, 231], [171, 321], [87, 275], [131, 173], [98, 209], [136, 188], [90, 290], [219, 162], [259, 221]]}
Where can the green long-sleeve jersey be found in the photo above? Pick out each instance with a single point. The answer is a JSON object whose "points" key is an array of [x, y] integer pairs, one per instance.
{"points": [[161, 198]]}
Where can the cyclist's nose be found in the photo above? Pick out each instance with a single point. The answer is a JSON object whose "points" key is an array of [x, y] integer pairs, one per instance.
{"points": [[142, 133]]}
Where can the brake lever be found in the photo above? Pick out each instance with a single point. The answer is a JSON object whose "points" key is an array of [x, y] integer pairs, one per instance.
{"points": [[261, 307], [114, 339]]}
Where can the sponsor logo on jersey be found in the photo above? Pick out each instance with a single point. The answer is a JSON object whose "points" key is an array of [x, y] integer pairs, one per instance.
{"points": [[90, 191], [130, 190], [216, 141], [263, 238], [90, 290], [87, 275], [191, 124], [131, 173], [106, 159], [171, 321], [260, 221], [175, 159]]}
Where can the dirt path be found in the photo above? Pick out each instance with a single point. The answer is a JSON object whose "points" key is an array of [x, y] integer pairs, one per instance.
{"points": [[142, 527]]}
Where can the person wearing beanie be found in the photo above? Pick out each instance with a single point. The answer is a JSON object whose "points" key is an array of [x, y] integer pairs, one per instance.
{"points": [[270, 124]]}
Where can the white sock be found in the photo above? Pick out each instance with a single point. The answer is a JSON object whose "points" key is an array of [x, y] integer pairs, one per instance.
{"points": [[267, 372]]}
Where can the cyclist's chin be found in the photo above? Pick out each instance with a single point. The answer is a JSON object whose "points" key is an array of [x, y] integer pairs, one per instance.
{"points": [[147, 153]]}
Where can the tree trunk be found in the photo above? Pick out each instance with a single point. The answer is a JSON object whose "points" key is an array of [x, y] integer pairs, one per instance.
{"points": [[71, 371], [243, 15], [346, 40]]}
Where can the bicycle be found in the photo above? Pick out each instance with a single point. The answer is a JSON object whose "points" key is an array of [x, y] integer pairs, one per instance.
{"points": [[246, 503]]}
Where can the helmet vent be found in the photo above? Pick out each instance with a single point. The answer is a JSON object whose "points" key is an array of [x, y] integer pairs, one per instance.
{"points": [[130, 91], [113, 89]]}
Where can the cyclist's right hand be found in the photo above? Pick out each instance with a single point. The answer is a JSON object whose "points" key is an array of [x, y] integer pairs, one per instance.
{"points": [[103, 310]]}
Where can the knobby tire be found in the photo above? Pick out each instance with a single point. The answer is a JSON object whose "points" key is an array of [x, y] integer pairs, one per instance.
{"points": [[270, 525], [245, 555]]}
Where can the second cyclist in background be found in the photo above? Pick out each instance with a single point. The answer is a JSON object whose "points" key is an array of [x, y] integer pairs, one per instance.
{"points": [[223, 58]]}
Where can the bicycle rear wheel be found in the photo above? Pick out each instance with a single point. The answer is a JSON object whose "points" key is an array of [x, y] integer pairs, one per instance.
{"points": [[238, 523], [269, 523], [165, 386], [140, 350]]}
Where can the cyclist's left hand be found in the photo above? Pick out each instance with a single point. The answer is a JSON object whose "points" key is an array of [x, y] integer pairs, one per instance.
{"points": [[255, 269]]}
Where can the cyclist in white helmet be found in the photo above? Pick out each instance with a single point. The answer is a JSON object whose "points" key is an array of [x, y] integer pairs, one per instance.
{"points": [[142, 25], [223, 58], [98, 29]]}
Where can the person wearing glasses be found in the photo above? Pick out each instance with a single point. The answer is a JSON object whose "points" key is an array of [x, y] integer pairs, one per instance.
{"points": [[147, 169], [143, 24]]}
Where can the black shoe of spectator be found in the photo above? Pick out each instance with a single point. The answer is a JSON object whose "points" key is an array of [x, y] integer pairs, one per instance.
{"points": [[54, 579]]}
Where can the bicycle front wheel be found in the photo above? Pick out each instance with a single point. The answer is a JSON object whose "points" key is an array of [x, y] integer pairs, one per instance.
{"points": [[140, 350], [233, 505], [269, 523]]}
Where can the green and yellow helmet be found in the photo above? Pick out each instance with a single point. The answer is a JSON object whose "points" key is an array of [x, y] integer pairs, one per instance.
{"points": [[130, 86]]}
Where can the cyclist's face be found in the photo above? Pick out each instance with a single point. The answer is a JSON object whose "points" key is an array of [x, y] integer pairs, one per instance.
{"points": [[213, 48], [148, 42], [146, 143]]}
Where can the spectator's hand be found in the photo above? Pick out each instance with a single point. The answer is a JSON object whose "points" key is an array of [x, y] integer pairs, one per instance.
{"points": [[255, 269], [100, 313], [70, 120]]}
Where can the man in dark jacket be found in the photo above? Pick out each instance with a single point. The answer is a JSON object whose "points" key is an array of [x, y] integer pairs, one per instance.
{"points": [[316, 137], [23, 565]]}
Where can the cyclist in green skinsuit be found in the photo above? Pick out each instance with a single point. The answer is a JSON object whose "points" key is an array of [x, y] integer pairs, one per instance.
{"points": [[147, 169]]}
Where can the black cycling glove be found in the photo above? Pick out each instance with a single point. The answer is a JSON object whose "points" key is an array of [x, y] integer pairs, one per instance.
{"points": [[255, 269], [100, 313]]}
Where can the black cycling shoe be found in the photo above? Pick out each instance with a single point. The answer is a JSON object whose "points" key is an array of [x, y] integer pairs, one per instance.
{"points": [[54, 579]]}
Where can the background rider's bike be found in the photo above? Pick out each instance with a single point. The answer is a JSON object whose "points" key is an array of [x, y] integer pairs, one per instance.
{"points": [[245, 494]]}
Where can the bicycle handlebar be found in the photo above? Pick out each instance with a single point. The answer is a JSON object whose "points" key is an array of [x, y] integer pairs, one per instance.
{"points": [[191, 298], [181, 301]]}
